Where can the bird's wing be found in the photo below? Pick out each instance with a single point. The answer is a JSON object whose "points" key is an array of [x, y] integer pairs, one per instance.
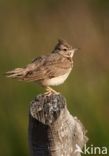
{"points": [[43, 67], [57, 65], [53, 65], [29, 71]]}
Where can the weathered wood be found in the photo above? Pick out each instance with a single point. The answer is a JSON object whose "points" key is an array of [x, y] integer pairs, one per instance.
{"points": [[53, 131]]}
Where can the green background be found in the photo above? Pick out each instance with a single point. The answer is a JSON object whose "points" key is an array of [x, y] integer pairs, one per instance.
{"points": [[29, 28]]}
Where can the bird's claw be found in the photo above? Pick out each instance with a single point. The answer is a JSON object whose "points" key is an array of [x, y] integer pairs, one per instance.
{"points": [[50, 91]]}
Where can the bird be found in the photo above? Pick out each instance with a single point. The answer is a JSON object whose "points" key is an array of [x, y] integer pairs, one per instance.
{"points": [[48, 70]]}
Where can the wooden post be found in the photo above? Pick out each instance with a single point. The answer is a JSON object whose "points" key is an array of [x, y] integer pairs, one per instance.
{"points": [[53, 131]]}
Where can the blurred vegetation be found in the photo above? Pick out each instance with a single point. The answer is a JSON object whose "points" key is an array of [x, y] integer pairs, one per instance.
{"points": [[29, 28]]}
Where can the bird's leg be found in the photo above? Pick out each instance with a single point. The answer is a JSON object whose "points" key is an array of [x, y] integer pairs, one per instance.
{"points": [[50, 91]]}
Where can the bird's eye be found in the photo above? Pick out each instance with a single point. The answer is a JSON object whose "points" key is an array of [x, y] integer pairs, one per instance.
{"points": [[65, 49]]}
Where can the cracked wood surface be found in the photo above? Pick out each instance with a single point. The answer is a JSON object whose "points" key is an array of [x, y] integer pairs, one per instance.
{"points": [[53, 131]]}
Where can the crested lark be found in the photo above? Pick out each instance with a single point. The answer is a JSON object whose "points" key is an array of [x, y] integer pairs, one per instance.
{"points": [[49, 70]]}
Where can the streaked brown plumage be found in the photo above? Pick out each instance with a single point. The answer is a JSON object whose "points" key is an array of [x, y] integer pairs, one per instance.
{"points": [[51, 69]]}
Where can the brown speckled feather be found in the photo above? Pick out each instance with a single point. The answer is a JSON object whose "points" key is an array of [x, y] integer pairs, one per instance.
{"points": [[49, 66], [51, 69]]}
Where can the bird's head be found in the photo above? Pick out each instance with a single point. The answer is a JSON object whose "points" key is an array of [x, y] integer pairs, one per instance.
{"points": [[64, 48]]}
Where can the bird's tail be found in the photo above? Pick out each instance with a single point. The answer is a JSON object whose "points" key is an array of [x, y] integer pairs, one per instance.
{"points": [[17, 73]]}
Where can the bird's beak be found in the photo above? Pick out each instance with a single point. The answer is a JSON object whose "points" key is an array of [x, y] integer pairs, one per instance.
{"points": [[76, 49]]}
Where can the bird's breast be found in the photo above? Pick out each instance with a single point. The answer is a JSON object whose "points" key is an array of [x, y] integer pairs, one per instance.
{"points": [[56, 80]]}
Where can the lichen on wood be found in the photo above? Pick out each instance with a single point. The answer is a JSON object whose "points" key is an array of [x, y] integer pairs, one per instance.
{"points": [[53, 131]]}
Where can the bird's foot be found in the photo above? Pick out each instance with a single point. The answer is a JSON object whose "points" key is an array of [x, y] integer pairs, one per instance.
{"points": [[49, 91]]}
